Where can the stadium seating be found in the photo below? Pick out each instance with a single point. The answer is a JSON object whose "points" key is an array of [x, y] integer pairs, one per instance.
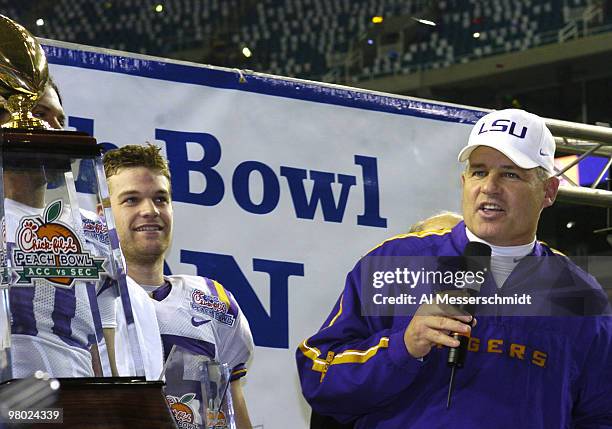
{"points": [[314, 39]]}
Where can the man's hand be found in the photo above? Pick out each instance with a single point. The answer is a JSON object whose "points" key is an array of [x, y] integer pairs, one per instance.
{"points": [[431, 326]]}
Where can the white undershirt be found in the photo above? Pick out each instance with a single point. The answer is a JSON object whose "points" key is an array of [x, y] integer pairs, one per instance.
{"points": [[503, 258], [150, 288]]}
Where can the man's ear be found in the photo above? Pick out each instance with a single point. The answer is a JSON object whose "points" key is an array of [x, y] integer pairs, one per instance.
{"points": [[551, 188]]}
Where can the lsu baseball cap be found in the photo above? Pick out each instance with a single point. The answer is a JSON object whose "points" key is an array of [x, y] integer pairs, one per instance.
{"points": [[521, 136]]}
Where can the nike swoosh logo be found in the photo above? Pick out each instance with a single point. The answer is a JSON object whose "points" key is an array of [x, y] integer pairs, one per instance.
{"points": [[544, 153], [195, 322]]}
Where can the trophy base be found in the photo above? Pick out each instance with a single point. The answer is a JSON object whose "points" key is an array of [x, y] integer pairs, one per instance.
{"points": [[112, 403]]}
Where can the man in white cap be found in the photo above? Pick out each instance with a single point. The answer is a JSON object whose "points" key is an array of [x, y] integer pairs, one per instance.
{"points": [[510, 151], [534, 370]]}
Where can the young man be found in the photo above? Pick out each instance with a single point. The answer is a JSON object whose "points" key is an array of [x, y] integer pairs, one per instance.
{"points": [[52, 327], [139, 184], [49, 108], [534, 369]]}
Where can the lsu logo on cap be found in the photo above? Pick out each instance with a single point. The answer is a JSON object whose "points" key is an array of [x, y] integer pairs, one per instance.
{"points": [[503, 126], [521, 136]]}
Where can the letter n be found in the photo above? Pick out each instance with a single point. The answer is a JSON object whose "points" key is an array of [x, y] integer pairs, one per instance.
{"points": [[268, 330]]}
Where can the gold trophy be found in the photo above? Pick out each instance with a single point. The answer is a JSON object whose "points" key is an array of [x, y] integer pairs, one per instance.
{"points": [[60, 261], [23, 75], [56, 251]]}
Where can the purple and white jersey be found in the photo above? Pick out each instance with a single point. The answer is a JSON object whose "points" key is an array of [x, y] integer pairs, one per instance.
{"points": [[199, 315], [52, 328]]}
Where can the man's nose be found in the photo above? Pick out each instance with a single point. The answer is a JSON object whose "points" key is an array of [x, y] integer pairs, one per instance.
{"points": [[53, 121], [149, 208], [491, 184]]}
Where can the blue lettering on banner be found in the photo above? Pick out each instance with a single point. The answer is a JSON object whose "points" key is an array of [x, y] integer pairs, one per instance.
{"points": [[86, 125], [167, 270], [371, 194], [85, 180], [322, 191], [268, 330], [180, 166], [305, 206], [240, 186]]}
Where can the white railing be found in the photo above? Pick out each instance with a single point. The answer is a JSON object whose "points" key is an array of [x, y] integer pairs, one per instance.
{"points": [[592, 14], [570, 31], [583, 140]]}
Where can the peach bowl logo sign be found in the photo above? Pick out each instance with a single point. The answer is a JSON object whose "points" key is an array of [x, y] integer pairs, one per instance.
{"points": [[183, 410], [48, 249]]}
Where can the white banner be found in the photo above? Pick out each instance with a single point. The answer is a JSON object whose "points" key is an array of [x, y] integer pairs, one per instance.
{"points": [[279, 185]]}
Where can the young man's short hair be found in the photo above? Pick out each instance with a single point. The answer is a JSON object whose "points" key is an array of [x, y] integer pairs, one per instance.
{"points": [[53, 85], [132, 156]]}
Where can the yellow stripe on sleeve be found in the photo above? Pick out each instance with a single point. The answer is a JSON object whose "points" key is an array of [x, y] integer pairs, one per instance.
{"points": [[420, 234], [360, 356], [312, 353], [339, 312], [221, 292], [347, 356]]}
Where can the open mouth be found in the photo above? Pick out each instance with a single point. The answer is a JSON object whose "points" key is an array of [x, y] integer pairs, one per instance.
{"points": [[490, 208], [146, 228]]}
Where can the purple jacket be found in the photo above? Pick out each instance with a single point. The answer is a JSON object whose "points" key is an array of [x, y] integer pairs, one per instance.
{"points": [[527, 372]]}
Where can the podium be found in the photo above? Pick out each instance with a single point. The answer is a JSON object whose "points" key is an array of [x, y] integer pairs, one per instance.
{"points": [[110, 403], [113, 403]]}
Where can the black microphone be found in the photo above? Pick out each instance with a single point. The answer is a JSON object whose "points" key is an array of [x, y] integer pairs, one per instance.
{"points": [[476, 258]]}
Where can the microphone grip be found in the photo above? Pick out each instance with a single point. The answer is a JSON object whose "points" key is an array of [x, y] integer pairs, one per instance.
{"points": [[477, 257], [456, 355]]}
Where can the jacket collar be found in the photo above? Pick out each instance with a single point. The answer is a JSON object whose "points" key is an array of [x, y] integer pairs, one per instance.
{"points": [[460, 240]]}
